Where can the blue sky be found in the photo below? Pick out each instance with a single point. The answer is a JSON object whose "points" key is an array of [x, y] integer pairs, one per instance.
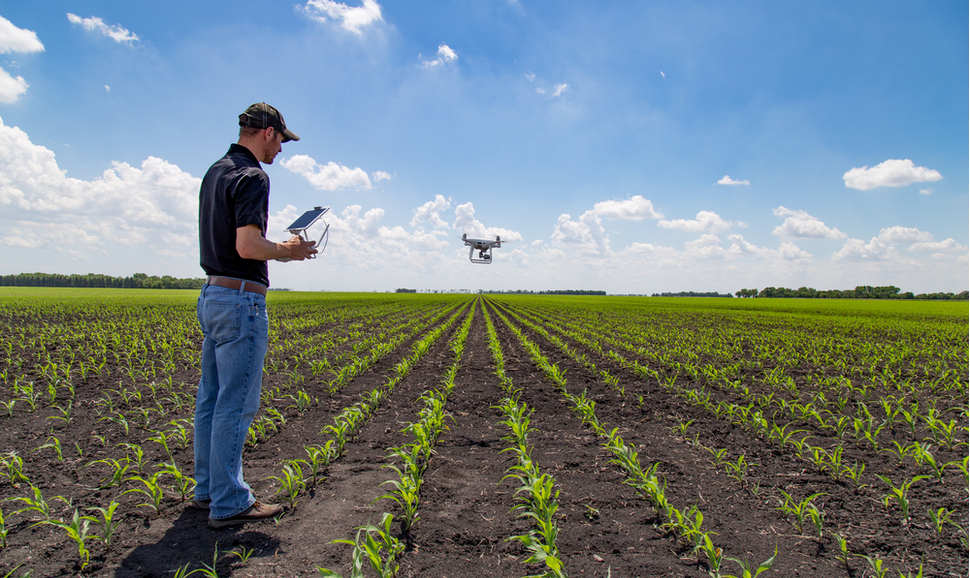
{"points": [[627, 146]]}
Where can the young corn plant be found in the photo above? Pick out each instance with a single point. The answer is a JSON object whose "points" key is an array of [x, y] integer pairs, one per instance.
{"points": [[747, 568], [108, 523], [713, 556], [379, 548], [152, 491], [801, 510], [76, 530], [291, 482], [900, 494]]}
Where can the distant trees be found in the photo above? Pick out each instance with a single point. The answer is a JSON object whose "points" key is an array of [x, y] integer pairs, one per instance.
{"points": [[860, 292], [136, 281]]}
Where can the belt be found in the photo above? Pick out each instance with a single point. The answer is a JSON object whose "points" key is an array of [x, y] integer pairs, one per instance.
{"points": [[229, 283]]}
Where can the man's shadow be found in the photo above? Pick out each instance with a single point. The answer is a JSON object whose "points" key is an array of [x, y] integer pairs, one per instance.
{"points": [[191, 542]]}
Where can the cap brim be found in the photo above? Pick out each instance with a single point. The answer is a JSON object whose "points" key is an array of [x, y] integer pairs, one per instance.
{"points": [[289, 135]]}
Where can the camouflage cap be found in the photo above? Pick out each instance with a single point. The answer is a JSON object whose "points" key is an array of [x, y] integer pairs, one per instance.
{"points": [[262, 115]]}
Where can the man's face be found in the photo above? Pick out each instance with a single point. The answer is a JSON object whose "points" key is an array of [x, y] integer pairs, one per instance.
{"points": [[273, 141]]}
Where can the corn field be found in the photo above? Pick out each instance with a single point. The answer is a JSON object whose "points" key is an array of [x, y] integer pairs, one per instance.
{"points": [[495, 435]]}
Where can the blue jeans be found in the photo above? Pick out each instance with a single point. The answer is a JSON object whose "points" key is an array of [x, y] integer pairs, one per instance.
{"points": [[235, 328]]}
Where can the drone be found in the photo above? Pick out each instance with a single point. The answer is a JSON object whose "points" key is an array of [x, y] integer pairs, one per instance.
{"points": [[484, 248]]}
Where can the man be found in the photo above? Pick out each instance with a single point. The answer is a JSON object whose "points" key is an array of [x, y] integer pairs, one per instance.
{"points": [[233, 212]]}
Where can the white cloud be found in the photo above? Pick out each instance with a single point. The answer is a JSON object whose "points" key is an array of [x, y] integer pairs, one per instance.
{"points": [[560, 88], [896, 235], [926, 191], [706, 222], [636, 208], [329, 177], [95, 24], [800, 224], [859, 250], [430, 213], [466, 222], [153, 205], [585, 235], [352, 19], [13, 39], [949, 246], [379, 176], [11, 89], [787, 251], [890, 173], [727, 180], [882, 247], [445, 56]]}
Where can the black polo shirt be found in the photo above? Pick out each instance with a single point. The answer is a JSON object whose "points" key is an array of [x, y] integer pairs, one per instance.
{"points": [[234, 193]]}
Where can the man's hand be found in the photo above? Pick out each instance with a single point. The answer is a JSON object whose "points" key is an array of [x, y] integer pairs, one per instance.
{"points": [[298, 248], [250, 244]]}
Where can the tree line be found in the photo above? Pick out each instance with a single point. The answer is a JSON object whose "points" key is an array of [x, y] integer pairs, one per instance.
{"points": [[860, 292], [136, 281]]}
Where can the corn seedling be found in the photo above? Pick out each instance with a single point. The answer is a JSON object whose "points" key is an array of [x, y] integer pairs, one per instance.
{"points": [[800, 509], [899, 494], [118, 471], [52, 443], [183, 483], [875, 564], [152, 490], [108, 523], [76, 530], [291, 482], [378, 547], [747, 568], [713, 556], [12, 467], [843, 554], [36, 504]]}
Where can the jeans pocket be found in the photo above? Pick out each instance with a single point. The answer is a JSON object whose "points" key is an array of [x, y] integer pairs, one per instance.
{"points": [[221, 321]]}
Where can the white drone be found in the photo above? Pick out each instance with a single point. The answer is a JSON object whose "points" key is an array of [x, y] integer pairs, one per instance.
{"points": [[484, 248]]}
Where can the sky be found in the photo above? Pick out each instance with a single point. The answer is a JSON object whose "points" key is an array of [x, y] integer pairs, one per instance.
{"points": [[631, 147]]}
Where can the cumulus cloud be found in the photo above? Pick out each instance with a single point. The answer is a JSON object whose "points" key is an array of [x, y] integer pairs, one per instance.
{"points": [[352, 18], [705, 222], [947, 246], [466, 222], [587, 235], [13, 39], [636, 208], [445, 56], [154, 204], [95, 24], [896, 235], [727, 180], [430, 212], [890, 173], [787, 251], [859, 250], [329, 177], [11, 88], [379, 176], [799, 224]]}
